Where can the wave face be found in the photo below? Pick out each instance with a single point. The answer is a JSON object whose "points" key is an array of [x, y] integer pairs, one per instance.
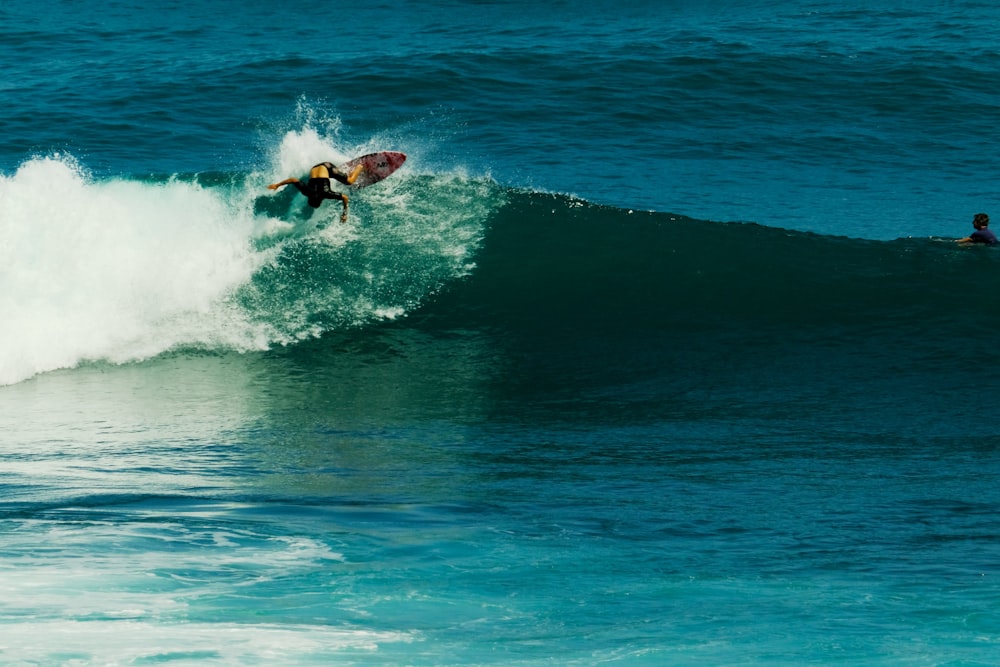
{"points": [[629, 308], [555, 259], [124, 270]]}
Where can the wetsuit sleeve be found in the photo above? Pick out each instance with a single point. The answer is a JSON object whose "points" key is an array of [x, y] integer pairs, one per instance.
{"points": [[983, 236]]}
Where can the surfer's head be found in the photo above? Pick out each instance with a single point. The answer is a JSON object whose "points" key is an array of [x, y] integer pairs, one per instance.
{"points": [[981, 221]]}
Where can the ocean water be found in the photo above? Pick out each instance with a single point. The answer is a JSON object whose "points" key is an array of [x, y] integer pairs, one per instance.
{"points": [[657, 350]]}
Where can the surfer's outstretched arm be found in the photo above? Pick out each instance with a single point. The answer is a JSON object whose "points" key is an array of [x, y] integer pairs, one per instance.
{"points": [[287, 181]]}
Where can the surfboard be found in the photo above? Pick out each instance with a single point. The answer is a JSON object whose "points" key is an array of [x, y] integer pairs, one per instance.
{"points": [[377, 166]]}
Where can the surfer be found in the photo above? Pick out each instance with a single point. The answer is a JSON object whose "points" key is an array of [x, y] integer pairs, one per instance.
{"points": [[981, 222], [317, 188]]}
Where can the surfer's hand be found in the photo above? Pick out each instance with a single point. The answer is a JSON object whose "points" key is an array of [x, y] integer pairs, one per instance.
{"points": [[343, 217]]}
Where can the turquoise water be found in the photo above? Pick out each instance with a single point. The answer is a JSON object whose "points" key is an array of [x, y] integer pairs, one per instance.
{"points": [[655, 352]]}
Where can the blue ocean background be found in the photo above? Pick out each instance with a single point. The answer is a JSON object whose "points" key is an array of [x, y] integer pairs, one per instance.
{"points": [[657, 351]]}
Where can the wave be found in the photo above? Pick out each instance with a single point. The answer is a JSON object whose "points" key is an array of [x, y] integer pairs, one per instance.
{"points": [[121, 270], [554, 258], [575, 302]]}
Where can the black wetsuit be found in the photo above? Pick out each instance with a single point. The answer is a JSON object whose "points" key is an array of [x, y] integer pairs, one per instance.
{"points": [[318, 189]]}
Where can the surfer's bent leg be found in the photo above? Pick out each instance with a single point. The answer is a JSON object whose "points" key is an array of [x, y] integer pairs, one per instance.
{"points": [[346, 179]]}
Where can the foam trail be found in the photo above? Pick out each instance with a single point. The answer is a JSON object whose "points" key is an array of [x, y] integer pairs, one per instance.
{"points": [[117, 270]]}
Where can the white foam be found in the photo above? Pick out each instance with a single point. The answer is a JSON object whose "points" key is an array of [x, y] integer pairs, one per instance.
{"points": [[126, 593], [112, 270], [128, 641]]}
